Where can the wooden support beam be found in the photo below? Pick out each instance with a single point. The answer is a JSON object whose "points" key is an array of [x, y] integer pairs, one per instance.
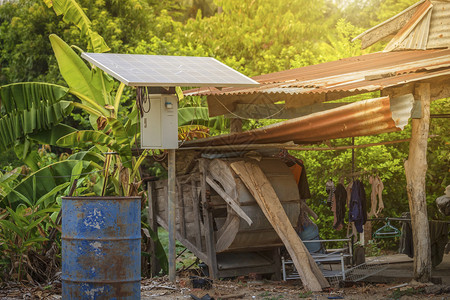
{"points": [[296, 147], [386, 28], [197, 216], [208, 225], [415, 169], [440, 88], [181, 211], [197, 252], [237, 209], [152, 222], [261, 189], [171, 207], [235, 125]]}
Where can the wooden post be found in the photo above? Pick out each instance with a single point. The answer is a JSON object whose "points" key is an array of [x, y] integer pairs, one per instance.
{"points": [[171, 207], [261, 189], [208, 226], [235, 125], [197, 218], [415, 169], [154, 265]]}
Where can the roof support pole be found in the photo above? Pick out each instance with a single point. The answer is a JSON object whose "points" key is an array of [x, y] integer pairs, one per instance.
{"points": [[171, 207], [415, 169], [235, 125]]}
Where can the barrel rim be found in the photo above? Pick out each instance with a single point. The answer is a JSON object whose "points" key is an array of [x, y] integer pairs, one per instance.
{"points": [[89, 198]]}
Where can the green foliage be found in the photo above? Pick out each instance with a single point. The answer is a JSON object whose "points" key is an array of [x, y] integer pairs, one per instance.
{"points": [[160, 252], [339, 42], [25, 54], [257, 37], [74, 14], [28, 108], [22, 231], [49, 178], [398, 293], [8, 179], [253, 37], [305, 295]]}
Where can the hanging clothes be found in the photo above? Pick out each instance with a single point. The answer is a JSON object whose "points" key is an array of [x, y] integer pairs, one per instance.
{"points": [[298, 170], [406, 239], [340, 200], [357, 209], [349, 192], [377, 190], [330, 188], [438, 240], [303, 186]]}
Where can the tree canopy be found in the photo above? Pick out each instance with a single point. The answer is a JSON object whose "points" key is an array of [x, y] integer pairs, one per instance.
{"points": [[254, 37]]}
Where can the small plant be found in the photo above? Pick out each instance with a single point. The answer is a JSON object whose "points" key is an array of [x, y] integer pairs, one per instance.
{"points": [[397, 294], [23, 231], [267, 296], [305, 294], [372, 248]]}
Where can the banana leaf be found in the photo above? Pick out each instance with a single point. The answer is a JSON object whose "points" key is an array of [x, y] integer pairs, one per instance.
{"points": [[77, 75], [88, 138], [19, 123], [25, 95], [46, 179], [199, 116], [89, 155], [122, 139], [73, 13], [49, 137]]}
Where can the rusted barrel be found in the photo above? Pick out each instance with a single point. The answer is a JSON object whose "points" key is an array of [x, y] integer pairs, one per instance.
{"points": [[101, 247]]}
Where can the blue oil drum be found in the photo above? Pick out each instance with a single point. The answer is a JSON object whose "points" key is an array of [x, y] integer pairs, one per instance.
{"points": [[101, 248]]}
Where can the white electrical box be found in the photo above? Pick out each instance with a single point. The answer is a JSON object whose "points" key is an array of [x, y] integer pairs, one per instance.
{"points": [[159, 125]]}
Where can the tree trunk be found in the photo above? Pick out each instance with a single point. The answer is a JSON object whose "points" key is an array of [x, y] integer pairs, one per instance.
{"points": [[415, 169]]}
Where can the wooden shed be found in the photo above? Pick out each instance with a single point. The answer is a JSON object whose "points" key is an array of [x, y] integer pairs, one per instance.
{"points": [[408, 80]]}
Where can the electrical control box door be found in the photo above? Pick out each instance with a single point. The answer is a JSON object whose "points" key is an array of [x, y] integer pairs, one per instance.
{"points": [[159, 124]]}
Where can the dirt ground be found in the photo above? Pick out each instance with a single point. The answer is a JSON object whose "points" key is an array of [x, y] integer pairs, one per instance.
{"points": [[397, 285], [243, 288]]}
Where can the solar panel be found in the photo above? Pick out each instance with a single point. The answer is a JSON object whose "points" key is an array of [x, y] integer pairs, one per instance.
{"points": [[168, 71]]}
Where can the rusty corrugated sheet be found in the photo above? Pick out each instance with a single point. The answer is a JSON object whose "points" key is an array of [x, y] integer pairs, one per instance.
{"points": [[439, 36], [349, 74], [388, 27], [417, 27], [361, 118], [414, 35]]}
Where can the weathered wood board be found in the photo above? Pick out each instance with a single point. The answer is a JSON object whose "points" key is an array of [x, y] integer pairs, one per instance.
{"points": [[263, 192]]}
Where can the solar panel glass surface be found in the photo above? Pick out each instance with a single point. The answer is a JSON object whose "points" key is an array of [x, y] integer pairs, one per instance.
{"points": [[168, 71]]}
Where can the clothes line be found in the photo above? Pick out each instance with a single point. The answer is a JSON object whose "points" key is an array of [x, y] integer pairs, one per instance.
{"points": [[404, 220]]}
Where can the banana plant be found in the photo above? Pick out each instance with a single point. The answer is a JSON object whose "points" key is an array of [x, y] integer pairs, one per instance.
{"points": [[45, 180], [24, 229], [32, 109], [73, 13]]}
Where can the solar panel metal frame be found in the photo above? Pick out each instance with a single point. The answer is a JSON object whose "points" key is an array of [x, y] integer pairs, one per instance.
{"points": [[166, 70]]}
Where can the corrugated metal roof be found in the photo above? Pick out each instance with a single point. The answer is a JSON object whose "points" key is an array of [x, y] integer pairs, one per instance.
{"points": [[439, 36], [365, 73], [425, 25], [366, 117], [414, 35]]}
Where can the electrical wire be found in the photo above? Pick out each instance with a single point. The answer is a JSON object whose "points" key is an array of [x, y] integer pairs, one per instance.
{"points": [[244, 118]]}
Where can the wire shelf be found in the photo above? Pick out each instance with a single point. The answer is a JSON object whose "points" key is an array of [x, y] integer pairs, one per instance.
{"points": [[365, 270]]}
